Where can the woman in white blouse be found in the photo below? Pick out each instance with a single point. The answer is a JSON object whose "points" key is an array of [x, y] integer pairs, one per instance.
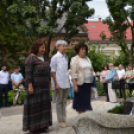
{"points": [[82, 77], [129, 77], [102, 79]]}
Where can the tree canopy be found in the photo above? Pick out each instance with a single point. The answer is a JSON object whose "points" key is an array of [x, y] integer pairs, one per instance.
{"points": [[98, 58], [11, 40], [38, 18], [121, 18]]}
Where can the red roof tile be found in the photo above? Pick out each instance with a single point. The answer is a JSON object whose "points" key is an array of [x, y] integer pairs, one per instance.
{"points": [[96, 27]]}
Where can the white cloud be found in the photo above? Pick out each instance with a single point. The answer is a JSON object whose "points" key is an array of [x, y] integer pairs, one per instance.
{"points": [[100, 7], [99, 0]]}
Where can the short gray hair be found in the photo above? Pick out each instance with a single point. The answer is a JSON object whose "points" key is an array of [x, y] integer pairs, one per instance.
{"points": [[121, 65], [61, 42], [111, 64]]}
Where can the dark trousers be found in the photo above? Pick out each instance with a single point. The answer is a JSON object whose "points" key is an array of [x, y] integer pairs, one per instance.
{"points": [[122, 88], [105, 86], [130, 86], [3, 89]]}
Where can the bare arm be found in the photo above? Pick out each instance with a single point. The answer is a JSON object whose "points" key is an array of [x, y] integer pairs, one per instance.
{"points": [[128, 76], [75, 85], [122, 77], [20, 81], [30, 88], [13, 82], [55, 81]]}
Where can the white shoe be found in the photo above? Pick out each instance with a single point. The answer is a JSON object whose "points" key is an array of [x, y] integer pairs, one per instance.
{"points": [[62, 125]]}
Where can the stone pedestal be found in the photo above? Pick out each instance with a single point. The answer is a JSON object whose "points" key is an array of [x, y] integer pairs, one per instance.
{"points": [[103, 123], [129, 105]]}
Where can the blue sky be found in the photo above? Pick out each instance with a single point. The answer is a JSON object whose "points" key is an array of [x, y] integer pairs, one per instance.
{"points": [[100, 7]]}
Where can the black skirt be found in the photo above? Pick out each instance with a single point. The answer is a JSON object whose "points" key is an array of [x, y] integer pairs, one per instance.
{"points": [[105, 86], [82, 99]]}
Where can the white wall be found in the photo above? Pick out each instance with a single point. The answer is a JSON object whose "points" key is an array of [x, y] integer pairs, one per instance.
{"points": [[110, 50]]}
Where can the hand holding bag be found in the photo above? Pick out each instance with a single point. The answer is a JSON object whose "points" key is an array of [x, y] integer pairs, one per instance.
{"points": [[115, 84], [132, 81]]}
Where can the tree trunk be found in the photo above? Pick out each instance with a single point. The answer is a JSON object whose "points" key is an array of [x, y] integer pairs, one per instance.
{"points": [[48, 47], [130, 57]]}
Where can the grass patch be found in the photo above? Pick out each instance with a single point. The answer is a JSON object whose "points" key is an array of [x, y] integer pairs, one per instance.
{"points": [[99, 86], [10, 97], [116, 110]]}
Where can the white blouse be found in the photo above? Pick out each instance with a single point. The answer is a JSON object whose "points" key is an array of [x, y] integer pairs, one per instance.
{"points": [[41, 58], [87, 68]]}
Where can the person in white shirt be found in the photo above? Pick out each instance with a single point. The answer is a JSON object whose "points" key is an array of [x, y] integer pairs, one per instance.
{"points": [[16, 79], [4, 79], [71, 89], [59, 70], [53, 90], [121, 79]]}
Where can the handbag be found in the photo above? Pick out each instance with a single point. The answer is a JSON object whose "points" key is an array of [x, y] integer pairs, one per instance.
{"points": [[115, 85], [131, 81]]}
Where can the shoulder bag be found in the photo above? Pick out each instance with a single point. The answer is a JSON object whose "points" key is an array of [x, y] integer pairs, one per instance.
{"points": [[131, 81], [115, 84]]}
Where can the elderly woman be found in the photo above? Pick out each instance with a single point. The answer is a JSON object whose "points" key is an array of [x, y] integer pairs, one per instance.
{"points": [[130, 76], [37, 105], [82, 77], [102, 78]]}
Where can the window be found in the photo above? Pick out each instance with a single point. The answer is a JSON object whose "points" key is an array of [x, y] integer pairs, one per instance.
{"points": [[92, 25]]}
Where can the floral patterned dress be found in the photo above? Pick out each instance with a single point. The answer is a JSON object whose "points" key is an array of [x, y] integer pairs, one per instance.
{"points": [[37, 107]]}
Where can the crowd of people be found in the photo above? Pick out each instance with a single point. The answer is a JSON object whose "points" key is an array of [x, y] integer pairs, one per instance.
{"points": [[16, 79], [78, 82], [41, 76], [113, 80]]}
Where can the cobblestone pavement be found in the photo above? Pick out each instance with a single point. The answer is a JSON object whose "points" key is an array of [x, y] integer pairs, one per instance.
{"points": [[11, 121]]}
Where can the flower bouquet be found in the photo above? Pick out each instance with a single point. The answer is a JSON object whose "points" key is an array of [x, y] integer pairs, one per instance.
{"points": [[18, 89]]}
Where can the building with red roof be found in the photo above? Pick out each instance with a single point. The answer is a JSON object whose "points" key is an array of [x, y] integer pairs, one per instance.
{"points": [[108, 47]]}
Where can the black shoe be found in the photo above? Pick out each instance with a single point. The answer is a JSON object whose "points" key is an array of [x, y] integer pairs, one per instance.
{"points": [[7, 105], [45, 127]]}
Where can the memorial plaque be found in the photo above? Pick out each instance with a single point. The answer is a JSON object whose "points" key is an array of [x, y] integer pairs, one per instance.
{"points": [[129, 104]]}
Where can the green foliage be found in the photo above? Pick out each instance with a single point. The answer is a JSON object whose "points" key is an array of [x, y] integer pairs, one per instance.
{"points": [[116, 110], [121, 59], [11, 40], [119, 22], [98, 58], [40, 18], [10, 97], [119, 109], [100, 89]]}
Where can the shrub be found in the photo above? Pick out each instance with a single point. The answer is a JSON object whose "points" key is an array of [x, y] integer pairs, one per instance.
{"points": [[10, 97], [116, 110], [101, 91]]}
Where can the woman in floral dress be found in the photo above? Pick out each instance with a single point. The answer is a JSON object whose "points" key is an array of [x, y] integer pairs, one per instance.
{"points": [[37, 105]]}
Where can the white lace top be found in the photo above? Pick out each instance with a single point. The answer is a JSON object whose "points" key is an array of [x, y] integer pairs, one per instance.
{"points": [[87, 68]]}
